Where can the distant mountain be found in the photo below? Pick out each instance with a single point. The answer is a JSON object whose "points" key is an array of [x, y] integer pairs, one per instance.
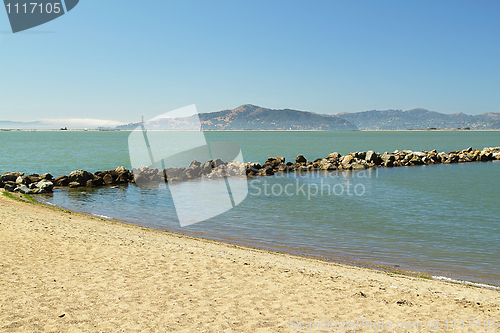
{"points": [[251, 117], [420, 119]]}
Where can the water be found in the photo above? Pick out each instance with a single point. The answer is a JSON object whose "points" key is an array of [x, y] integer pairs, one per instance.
{"points": [[439, 219]]}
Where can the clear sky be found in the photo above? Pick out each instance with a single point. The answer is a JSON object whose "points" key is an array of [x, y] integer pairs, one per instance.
{"points": [[120, 59]]}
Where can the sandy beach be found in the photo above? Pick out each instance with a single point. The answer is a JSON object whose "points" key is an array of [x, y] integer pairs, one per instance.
{"points": [[67, 272]]}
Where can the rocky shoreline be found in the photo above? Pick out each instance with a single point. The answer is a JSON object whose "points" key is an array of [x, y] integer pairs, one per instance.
{"points": [[45, 183]]}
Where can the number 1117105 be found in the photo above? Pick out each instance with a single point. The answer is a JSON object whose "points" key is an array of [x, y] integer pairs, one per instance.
{"points": [[34, 7]]}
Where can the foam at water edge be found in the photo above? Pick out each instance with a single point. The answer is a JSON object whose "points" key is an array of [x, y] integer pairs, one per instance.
{"points": [[468, 283]]}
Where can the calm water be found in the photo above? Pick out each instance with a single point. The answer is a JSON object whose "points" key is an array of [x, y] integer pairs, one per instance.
{"points": [[440, 219]]}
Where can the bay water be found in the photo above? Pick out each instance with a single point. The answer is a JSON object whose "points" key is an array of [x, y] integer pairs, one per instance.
{"points": [[439, 219]]}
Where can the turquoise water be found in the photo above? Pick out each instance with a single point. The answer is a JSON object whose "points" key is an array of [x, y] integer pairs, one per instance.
{"points": [[439, 219]]}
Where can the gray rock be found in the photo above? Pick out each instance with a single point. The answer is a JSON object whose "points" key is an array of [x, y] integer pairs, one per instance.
{"points": [[23, 180], [373, 157], [206, 167], [358, 166], [23, 189], [217, 162], [74, 184], [195, 163], [45, 185], [9, 187]]}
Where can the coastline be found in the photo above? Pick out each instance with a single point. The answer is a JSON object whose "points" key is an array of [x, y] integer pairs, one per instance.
{"points": [[72, 270], [256, 130]]}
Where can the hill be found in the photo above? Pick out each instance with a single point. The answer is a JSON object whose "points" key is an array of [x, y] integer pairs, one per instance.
{"points": [[251, 117], [420, 119]]}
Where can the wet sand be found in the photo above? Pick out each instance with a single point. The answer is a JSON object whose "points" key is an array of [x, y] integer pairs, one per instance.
{"points": [[67, 272]]}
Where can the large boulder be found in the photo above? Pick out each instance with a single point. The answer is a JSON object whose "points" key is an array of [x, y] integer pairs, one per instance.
{"points": [[23, 180], [108, 179], [47, 176], [373, 157], [62, 181], [23, 189], [10, 187], [11, 176], [300, 159], [274, 162], [194, 171], [45, 186], [80, 176], [206, 167]]}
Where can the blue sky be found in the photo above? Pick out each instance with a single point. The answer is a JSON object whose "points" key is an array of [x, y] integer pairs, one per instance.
{"points": [[117, 60]]}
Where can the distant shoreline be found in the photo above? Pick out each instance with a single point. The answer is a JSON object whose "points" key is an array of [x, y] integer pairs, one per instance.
{"points": [[241, 130]]}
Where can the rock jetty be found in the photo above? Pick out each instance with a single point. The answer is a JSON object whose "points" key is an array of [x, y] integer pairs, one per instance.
{"points": [[37, 184]]}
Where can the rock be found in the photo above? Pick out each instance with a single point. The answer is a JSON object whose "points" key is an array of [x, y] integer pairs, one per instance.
{"points": [[10, 176], [334, 157], [45, 185], [34, 178], [496, 156], [61, 181], [108, 179], [267, 171], [485, 156], [217, 162], [346, 160], [97, 181], [194, 171], [23, 189], [388, 164], [443, 157], [419, 154], [358, 166], [360, 155], [453, 158], [80, 176], [300, 159], [416, 160], [194, 163], [47, 176], [10, 187], [373, 157], [206, 168], [23, 180], [388, 157], [119, 170], [74, 184], [329, 167], [274, 162], [2, 184]]}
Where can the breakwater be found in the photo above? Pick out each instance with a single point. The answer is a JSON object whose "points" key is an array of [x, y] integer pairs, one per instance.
{"points": [[37, 184]]}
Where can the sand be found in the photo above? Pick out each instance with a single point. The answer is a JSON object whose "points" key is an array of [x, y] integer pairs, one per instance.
{"points": [[66, 272]]}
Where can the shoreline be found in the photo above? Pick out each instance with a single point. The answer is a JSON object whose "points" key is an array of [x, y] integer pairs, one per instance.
{"points": [[340, 260], [74, 271], [255, 130]]}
